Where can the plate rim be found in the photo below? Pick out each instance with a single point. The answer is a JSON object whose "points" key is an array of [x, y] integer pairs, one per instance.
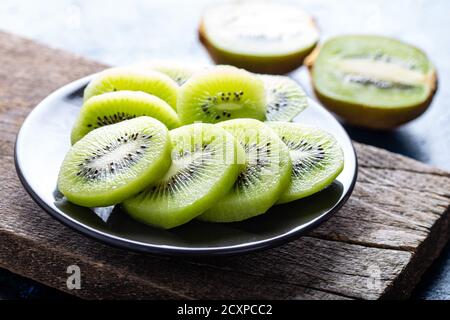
{"points": [[169, 250]]}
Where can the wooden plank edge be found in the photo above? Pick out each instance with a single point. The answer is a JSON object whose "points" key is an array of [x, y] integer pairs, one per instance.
{"points": [[426, 253], [16, 252]]}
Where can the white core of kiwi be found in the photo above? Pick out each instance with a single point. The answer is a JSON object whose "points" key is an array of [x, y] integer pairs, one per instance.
{"points": [[383, 71], [115, 157]]}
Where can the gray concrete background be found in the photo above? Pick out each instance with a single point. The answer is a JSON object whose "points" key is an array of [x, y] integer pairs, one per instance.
{"points": [[121, 32]]}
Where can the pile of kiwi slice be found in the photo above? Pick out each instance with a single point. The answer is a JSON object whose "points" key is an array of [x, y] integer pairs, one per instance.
{"points": [[169, 145]]}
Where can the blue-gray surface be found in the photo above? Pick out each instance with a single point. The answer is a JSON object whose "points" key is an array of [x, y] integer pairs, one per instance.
{"points": [[121, 32]]}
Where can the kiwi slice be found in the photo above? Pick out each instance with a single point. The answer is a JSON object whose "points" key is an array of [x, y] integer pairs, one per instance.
{"points": [[285, 98], [113, 107], [265, 37], [373, 81], [221, 93], [204, 168], [149, 81], [264, 178], [179, 72], [317, 159], [115, 162]]}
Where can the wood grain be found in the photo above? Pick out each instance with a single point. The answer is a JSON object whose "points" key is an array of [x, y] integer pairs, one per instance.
{"points": [[377, 246]]}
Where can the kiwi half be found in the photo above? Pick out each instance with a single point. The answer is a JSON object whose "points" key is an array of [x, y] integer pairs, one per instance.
{"points": [[123, 78], [115, 162], [221, 93], [285, 98], [204, 168], [113, 107], [264, 178], [317, 159], [373, 81], [265, 37]]}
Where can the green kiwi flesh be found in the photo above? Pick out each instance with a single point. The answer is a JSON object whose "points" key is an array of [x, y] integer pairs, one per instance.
{"points": [[114, 162], [264, 37], [373, 81], [133, 79], [264, 178], [221, 93], [114, 107], [179, 72], [317, 159], [285, 98], [204, 168]]}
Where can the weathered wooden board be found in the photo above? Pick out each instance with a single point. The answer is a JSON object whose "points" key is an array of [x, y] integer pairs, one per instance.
{"points": [[377, 246]]}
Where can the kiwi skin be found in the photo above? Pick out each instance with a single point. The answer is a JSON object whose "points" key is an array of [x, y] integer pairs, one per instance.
{"points": [[374, 118], [280, 64], [368, 116]]}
